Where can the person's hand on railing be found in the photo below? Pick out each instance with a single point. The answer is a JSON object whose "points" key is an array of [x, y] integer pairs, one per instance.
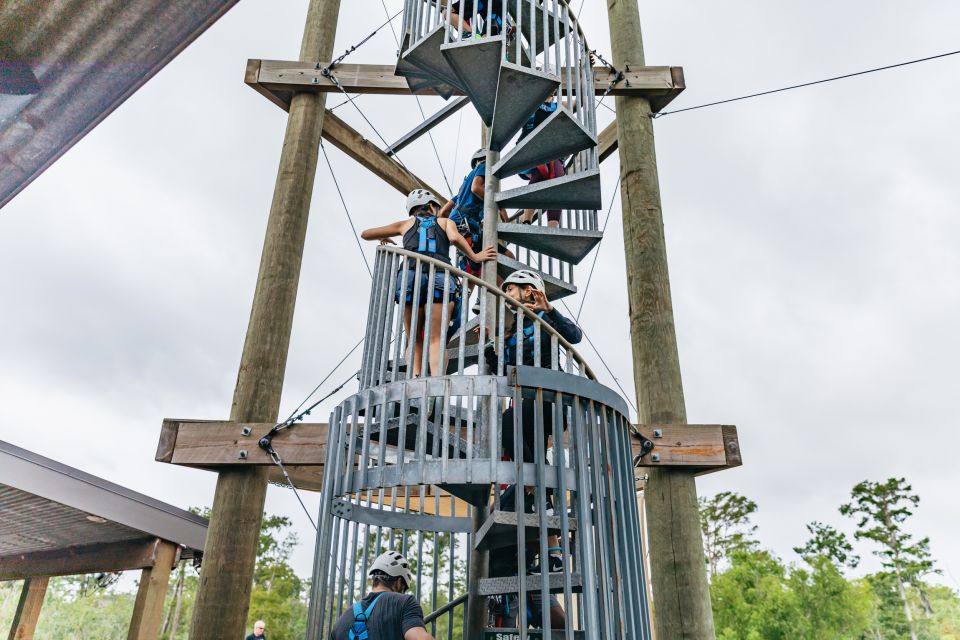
{"points": [[387, 241]]}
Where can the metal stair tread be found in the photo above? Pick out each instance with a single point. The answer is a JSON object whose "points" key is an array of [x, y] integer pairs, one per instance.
{"points": [[520, 90], [500, 529], [556, 288], [560, 135], [434, 436], [569, 245], [575, 191], [511, 584], [476, 64], [426, 56]]}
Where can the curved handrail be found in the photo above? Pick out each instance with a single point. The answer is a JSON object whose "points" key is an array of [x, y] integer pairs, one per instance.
{"points": [[453, 604], [381, 323]]}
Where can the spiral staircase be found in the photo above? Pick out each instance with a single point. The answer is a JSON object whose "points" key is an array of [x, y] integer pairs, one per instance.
{"points": [[423, 463]]}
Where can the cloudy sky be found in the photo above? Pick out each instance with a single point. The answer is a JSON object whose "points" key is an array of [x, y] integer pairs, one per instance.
{"points": [[813, 239]]}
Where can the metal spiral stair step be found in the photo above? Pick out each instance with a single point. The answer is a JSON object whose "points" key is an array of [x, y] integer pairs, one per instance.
{"points": [[575, 191], [558, 136], [511, 584], [556, 288], [520, 91], [426, 57], [476, 494], [500, 529], [476, 65], [569, 245], [457, 446]]}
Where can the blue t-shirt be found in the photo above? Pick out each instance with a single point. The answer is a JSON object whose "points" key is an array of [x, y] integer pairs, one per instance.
{"points": [[544, 111], [466, 204]]}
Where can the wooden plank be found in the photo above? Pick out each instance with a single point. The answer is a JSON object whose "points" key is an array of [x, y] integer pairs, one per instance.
{"points": [[607, 141], [148, 607], [349, 140], [208, 444], [28, 609], [282, 78], [93, 558], [702, 447]]}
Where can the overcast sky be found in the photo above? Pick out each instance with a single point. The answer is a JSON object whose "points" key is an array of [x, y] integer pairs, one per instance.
{"points": [[813, 239]]}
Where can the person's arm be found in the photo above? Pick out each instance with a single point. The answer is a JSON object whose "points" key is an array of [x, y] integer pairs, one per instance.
{"points": [[455, 237], [446, 209], [477, 186], [417, 633], [503, 215], [385, 232]]}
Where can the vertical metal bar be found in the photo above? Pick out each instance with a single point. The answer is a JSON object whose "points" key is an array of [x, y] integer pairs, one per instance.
{"points": [[585, 524], [536, 344], [385, 283], [540, 446], [425, 368], [403, 336], [501, 320], [519, 499], [560, 458], [414, 319], [444, 323]]}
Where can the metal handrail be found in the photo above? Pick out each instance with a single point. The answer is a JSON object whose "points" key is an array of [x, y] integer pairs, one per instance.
{"points": [[385, 334], [433, 615]]}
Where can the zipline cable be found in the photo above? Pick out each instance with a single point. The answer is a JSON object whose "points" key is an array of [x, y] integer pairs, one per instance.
{"points": [[344, 202], [807, 84]]}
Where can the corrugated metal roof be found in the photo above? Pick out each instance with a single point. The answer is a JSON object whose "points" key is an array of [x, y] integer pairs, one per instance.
{"points": [[67, 64], [44, 505]]}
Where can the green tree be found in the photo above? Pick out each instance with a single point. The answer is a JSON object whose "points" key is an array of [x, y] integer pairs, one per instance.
{"points": [[827, 542], [726, 527], [881, 509]]}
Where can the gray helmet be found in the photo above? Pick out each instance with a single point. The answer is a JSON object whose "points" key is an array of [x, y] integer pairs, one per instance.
{"points": [[420, 197], [480, 155], [525, 277], [394, 565]]}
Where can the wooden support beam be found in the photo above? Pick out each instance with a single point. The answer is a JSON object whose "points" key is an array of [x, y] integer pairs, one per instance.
{"points": [[607, 141], [91, 558], [703, 448], [148, 607], [278, 80], [348, 140], [28, 609]]}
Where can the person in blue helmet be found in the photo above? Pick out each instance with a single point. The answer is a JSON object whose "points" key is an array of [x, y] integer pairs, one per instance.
{"points": [[387, 612], [425, 233]]}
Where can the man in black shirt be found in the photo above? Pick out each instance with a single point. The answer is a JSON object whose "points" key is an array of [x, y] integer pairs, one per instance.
{"points": [[258, 633], [385, 613]]}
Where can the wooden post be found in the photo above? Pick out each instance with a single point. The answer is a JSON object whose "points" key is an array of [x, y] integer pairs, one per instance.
{"points": [[681, 594], [28, 609], [226, 577], [148, 607]]}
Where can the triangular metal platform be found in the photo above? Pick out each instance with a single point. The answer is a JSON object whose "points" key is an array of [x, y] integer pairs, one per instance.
{"points": [[575, 191], [500, 529], [519, 92], [511, 584], [425, 56], [476, 64], [556, 288], [558, 136], [569, 245]]}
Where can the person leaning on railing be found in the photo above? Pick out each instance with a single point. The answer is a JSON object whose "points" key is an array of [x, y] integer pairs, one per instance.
{"points": [[424, 233]]}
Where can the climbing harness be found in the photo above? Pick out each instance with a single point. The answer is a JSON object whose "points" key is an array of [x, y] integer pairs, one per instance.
{"points": [[510, 345], [358, 631]]}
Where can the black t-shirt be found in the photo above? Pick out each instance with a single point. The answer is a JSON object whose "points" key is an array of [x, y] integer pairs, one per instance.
{"points": [[256, 637], [393, 615]]}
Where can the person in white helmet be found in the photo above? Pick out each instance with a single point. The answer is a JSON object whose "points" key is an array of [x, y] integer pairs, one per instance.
{"points": [[386, 612], [424, 233], [527, 288]]}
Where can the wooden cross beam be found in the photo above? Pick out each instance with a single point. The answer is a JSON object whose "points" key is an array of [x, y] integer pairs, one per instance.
{"points": [[303, 447], [278, 80]]}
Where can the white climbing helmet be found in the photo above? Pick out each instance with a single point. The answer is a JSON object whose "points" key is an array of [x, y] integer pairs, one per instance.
{"points": [[420, 197], [393, 564], [480, 155], [523, 277]]}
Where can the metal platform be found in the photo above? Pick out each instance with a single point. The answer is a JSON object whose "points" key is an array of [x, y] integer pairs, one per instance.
{"points": [[519, 92], [511, 584], [559, 136], [556, 288], [500, 529], [570, 245], [575, 191], [426, 56]]}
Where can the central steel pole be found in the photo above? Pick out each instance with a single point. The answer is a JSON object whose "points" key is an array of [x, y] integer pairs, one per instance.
{"points": [[226, 579]]}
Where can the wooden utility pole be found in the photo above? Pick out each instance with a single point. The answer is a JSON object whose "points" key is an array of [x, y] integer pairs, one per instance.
{"points": [[681, 594], [226, 577], [28, 609]]}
